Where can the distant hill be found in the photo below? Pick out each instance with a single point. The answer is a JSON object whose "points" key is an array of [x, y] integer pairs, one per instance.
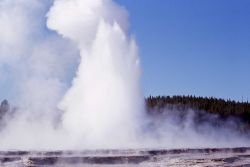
{"points": [[202, 106], [210, 110]]}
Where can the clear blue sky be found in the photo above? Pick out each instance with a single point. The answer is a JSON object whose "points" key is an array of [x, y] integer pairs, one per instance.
{"points": [[193, 47]]}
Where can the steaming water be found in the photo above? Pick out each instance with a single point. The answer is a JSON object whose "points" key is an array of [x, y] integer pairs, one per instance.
{"points": [[183, 157]]}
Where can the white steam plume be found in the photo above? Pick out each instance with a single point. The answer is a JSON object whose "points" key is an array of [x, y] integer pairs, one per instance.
{"points": [[104, 103], [35, 67], [36, 62]]}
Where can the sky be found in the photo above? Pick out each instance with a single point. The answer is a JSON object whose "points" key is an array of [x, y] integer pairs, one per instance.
{"points": [[190, 47], [193, 47]]}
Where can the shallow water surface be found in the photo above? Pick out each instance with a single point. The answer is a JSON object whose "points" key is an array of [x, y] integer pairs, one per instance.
{"points": [[223, 157]]}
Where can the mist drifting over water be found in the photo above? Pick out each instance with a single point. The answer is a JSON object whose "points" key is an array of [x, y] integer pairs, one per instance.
{"points": [[72, 69]]}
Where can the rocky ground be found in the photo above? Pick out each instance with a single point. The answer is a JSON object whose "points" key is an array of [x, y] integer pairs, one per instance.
{"points": [[227, 157]]}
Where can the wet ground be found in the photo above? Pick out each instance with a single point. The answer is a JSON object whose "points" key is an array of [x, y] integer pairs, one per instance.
{"points": [[225, 157]]}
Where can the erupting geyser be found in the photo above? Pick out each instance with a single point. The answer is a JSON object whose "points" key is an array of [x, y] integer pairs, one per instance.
{"points": [[73, 78], [101, 107], [104, 102]]}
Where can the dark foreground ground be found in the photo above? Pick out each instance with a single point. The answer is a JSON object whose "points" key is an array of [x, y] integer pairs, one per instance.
{"points": [[227, 157]]}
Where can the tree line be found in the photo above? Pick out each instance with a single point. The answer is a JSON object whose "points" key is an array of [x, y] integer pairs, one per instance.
{"points": [[224, 108]]}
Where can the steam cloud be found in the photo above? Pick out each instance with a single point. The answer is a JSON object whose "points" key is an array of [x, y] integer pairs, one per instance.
{"points": [[105, 98], [103, 106]]}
